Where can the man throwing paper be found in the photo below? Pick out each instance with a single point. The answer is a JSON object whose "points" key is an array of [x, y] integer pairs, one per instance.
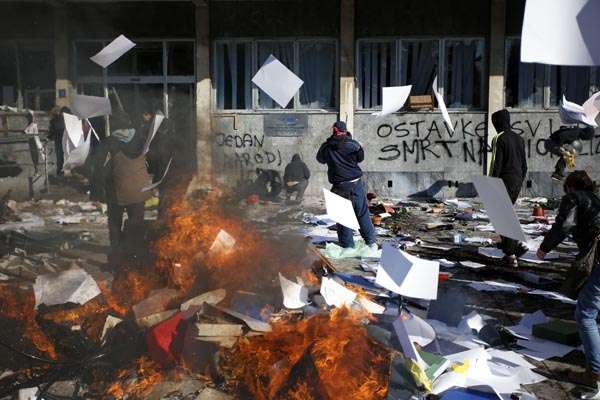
{"points": [[342, 154], [509, 163]]}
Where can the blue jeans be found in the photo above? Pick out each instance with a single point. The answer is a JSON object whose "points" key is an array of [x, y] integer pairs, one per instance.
{"points": [[355, 192], [588, 304]]}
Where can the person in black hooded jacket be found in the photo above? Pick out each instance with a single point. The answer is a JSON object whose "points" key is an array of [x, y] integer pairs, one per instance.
{"points": [[509, 163], [342, 154], [295, 178]]}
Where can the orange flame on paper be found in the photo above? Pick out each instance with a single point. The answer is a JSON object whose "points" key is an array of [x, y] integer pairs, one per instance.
{"points": [[147, 376]]}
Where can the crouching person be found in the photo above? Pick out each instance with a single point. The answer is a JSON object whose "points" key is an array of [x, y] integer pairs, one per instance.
{"points": [[342, 154]]}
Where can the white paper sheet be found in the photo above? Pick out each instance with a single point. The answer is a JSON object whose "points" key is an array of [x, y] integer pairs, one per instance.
{"points": [[561, 32], [75, 156], [572, 113], [472, 322], [223, 243], [491, 286], [113, 51], [74, 129], [407, 275], [276, 80], [71, 286], [460, 204], [442, 106], [418, 330], [156, 122], [370, 306], [540, 350], [340, 210], [509, 358], [498, 207], [393, 99], [591, 109], [156, 184], [294, 295], [335, 294], [524, 328], [408, 347], [90, 106]]}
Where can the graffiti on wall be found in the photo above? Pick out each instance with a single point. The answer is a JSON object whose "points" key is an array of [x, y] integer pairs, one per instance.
{"points": [[246, 151]]}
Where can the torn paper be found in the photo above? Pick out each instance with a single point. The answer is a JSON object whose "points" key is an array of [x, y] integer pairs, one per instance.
{"points": [[277, 81], [71, 286], [393, 99], [90, 106], [442, 106], [113, 51], [335, 294], [294, 295], [340, 210]]}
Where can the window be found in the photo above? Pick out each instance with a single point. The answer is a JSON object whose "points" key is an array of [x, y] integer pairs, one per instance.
{"points": [[236, 62], [417, 62], [536, 86]]}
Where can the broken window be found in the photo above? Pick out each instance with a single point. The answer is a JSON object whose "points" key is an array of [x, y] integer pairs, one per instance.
{"points": [[317, 70], [234, 75], [572, 82], [377, 69], [524, 81], [419, 65], [463, 85]]}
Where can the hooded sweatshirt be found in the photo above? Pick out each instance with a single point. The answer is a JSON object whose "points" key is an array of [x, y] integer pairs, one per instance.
{"points": [[296, 170], [341, 154], [509, 161]]}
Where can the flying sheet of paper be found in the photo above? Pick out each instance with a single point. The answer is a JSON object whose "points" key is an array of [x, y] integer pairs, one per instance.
{"points": [[442, 106], [223, 243], [75, 156], [276, 80], [407, 275], [572, 113], [294, 295], [74, 129], [335, 294], [499, 207], [156, 122], [575, 43], [393, 99], [90, 106], [591, 109], [113, 51], [340, 210], [156, 184], [71, 286]]}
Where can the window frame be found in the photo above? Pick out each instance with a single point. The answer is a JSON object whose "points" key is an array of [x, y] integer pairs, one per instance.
{"points": [[441, 68], [255, 108]]}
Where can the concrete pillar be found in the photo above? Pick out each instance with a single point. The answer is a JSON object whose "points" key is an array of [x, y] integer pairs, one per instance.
{"points": [[204, 136], [496, 66], [63, 85], [347, 63]]}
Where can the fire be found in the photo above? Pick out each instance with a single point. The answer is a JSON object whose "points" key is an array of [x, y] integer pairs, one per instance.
{"points": [[20, 304], [147, 376], [324, 356]]}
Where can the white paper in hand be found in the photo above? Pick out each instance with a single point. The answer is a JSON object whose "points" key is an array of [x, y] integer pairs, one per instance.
{"points": [[393, 99], [90, 106], [499, 207], [561, 32], [442, 106], [276, 80], [407, 275], [340, 210], [294, 295], [113, 51], [156, 122], [74, 129]]}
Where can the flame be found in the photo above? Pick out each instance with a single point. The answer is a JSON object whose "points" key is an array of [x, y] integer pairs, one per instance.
{"points": [[147, 376], [19, 304], [347, 363]]}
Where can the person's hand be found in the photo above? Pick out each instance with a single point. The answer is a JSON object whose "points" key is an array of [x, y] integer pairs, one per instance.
{"points": [[540, 254]]}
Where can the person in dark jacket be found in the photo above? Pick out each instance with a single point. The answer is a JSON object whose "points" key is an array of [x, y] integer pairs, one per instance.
{"points": [[566, 143], [268, 184], [509, 163], [342, 154], [579, 216], [295, 178], [56, 130], [125, 176]]}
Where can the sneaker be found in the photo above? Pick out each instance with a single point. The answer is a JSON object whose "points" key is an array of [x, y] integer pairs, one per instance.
{"points": [[511, 261]]}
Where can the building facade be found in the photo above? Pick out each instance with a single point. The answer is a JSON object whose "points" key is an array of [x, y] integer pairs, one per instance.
{"points": [[196, 60]]}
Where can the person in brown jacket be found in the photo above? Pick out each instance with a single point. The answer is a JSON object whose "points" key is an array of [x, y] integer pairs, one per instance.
{"points": [[124, 175]]}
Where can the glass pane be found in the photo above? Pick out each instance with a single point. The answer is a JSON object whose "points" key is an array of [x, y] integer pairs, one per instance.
{"points": [[234, 74], [37, 75], [8, 75], [146, 58], [83, 65], [181, 58], [317, 70], [284, 52], [419, 65], [524, 81], [464, 73], [377, 69], [572, 82]]}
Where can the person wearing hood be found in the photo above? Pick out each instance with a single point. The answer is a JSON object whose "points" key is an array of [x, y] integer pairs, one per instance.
{"points": [[295, 178], [342, 154], [509, 163], [121, 171], [55, 132]]}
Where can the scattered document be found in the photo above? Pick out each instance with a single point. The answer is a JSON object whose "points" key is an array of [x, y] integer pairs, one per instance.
{"points": [[370, 306], [113, 51], [276, 80], [156, 184], [442, 106], [472, 322], [340, 210], [407, 275], [74, 129], [71, 286], [525, 326], [418, 330], [90, 106], [408, 347], [540, 350], [335, 294], [156, 122], [294, 295], [561, 32], [393, 99], [223, 243], [499, 207], [591, 110]]}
